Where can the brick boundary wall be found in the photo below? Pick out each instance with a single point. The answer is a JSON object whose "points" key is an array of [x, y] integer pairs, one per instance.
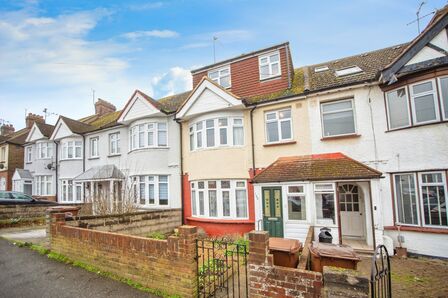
{"points": [[268, 280], [166, 265], [136, 223]]}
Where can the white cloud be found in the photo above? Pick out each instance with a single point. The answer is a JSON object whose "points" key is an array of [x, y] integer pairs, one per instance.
{"points": [[176, 80], [145, 6], [151, 33]]}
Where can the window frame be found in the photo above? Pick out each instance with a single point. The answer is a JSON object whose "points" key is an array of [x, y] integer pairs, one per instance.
{"points": [[218, 79], [117, 143], [435, 100], [155, 182], [74, 185], [442, 105], [322, 113], [417, 198], [94, 144], [44, 147], [73, 145], [279, 127], [135, 135], [409, 112], [232, 190], [29, 154], [269, 64], [333, 190], [297, 194], [422, 208], [47, 180]]}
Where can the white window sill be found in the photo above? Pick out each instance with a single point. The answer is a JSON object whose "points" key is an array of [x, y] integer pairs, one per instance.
{"points": [[114, 155], [68, 159], [149, 148], [93, 157], [276, 77], [217, 148]]}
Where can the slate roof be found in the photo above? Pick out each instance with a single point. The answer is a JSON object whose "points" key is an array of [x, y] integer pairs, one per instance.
{"points": [[316, 167], [24, 174], [106, 172], [45, 129]]}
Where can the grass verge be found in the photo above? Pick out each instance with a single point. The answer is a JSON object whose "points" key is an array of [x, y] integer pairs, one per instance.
{"points": [[63, 259]]}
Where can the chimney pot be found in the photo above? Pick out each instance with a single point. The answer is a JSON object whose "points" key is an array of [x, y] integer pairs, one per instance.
{"points": [[31, 118], [103, 107], [6, 129]]}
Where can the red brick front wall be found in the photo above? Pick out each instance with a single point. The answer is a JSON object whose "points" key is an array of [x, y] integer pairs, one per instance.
{"points": [[219, 227], [245, 77], [15, 160]]}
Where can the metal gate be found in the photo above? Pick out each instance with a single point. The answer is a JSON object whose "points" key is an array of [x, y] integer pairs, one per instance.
{"points": [[222, 268], [380, 282]]}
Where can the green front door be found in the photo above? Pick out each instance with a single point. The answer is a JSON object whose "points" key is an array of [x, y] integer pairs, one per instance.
{"points": [[272, 211]]}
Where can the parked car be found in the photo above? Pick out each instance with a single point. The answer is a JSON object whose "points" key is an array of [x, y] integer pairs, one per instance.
{"points": [[14, 198]]}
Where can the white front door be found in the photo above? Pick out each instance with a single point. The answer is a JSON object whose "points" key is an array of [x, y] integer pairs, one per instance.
{"points": [[351, 206]]}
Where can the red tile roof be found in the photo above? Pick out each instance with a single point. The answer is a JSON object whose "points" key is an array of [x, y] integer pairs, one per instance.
{"points": [[316, 167]]}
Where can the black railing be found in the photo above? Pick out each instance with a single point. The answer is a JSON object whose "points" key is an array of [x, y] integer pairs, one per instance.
{"points": [[380, 280], [222, 268]]}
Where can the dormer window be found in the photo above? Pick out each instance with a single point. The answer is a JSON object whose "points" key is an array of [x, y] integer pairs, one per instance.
{"points": [[221, 76], [269, 65], [348, 71]]}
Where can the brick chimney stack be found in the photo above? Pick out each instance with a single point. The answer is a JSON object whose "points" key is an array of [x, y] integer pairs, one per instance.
{"points": [[103, 107], [6, 129], [31, 118]]}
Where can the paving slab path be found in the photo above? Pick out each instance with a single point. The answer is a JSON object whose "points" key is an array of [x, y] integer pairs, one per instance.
{"points": [[25, 273]]}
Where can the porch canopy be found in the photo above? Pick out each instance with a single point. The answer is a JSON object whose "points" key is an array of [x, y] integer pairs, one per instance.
{"points": [[316, 167], [22, 174], [101, 173]]}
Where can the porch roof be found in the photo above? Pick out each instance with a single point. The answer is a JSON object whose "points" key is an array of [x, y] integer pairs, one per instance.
{"points": [[316, 167], [24, 174], [106, 172]]}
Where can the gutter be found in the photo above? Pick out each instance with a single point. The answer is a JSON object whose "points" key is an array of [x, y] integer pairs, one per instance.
{"points": [[83, 153], [181, 173], [56, 171], [252, 140]]}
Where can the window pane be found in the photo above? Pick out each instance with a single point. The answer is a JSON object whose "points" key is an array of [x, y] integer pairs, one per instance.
{"points": [[212, 184], [163, 193], [238, 121], [222, 122], [296, 208], [162, 138], [337, 106], [444, 94], [213, 204], [201, 202], [238, 136], [325, 208], [338, 123], [295, 189], [264, 71], [226, 203], [434, 205], [285, 127], [241, 203], [142, 191], [225, 184], [425, 109], [271, 116], [273, 58], [225, 81], [193, 202], [398, 108], [272, 131], [210, 137], [223, 136], [420, 88], [199, 140], [151, 193], [275, 69], [285, 114]]}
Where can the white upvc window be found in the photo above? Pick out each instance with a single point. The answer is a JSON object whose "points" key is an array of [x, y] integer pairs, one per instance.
{"points": [[269, 65], [278, 126], [398, 108], [71, 192], [152, 190], [29, 154], [43, 185], [215, 132], [443, 86], [433, 191], [220, 199], [71, 149], [325, 203], [221, 76], [114, 143], [405, 193], [44, 150], [3, 154], [94, 151], [149, 135], [425, 106], [338, 118], [296, 202]]}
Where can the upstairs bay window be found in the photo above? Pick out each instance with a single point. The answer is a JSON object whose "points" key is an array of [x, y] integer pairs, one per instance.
{"points": [[338, 118], [210, 133], [221, 76], [71, 150], [278, 126], [269, 65], [225, 199], [149, 135], [44, 150]]}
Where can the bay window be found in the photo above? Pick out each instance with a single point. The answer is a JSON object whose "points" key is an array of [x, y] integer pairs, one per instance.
{"points": [[44, 150], [225, 199], [398, 109], [71, 149], [278, 126], [149, 135], [296, 202], [269, 65], [152, 190], [210, 133], [71, 192], [114, 143], [325, 203], [43, 185], [221, 76], [338, 118]]}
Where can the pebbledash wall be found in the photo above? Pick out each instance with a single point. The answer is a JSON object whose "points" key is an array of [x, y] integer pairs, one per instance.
{"points": [[165, 265]]}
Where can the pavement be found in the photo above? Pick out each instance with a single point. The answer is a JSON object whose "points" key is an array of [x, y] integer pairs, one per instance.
{"points": [[25, 273], [33, 235]]}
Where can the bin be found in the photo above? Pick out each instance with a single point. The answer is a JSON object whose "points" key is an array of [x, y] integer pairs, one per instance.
{"points": [[336, 255], [285, 251], [325, 236]]}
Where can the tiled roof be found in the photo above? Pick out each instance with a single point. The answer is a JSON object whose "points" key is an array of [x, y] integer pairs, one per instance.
{"points": [[45, 129], [317, 167], [17, 137], [77, 126], [106, 121], [170, 104]]}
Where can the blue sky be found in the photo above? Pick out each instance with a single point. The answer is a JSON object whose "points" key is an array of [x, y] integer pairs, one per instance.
{"points": [[54, 53]]}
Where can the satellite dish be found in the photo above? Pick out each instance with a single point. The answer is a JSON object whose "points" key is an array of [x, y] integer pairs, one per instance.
{"points": [[2, 166], [50, 166]]}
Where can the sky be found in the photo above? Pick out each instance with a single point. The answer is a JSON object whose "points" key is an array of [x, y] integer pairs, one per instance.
{"points": [[59, 55]]}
